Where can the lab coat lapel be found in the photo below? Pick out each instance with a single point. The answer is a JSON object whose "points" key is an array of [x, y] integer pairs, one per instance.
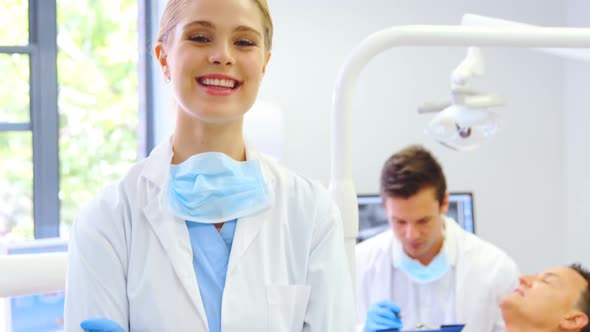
{"points": [[459, 296], [173, 235], [248, 228], [170, 231], [454, 251]]}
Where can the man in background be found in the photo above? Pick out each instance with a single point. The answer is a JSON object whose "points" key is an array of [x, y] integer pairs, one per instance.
{"points": [[427, 271]]}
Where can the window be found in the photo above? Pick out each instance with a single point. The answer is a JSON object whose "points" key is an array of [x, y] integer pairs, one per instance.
{"points": [[28, 119], [98, 97], [69, 109]]}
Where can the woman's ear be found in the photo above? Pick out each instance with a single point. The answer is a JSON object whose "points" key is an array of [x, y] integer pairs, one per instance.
{"points": [[160, 54], [268, 54], [162, 58]]}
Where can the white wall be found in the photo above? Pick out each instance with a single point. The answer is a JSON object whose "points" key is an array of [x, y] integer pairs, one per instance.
{"points": [[517, 178], [577, 150]]}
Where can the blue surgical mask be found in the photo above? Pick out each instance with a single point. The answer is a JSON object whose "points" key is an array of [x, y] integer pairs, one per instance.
{"points": [[424, 274], [211, 188]]}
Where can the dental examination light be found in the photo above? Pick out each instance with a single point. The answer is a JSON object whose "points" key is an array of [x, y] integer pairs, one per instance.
{"points": [[465, 121], [465, 112]]}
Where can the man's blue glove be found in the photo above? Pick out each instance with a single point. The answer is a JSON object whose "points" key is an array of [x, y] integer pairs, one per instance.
{"points": [[382, 316], [101, 325]]}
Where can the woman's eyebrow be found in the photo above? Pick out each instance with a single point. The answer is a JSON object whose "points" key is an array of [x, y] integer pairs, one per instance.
{"points": [[205, 24], [245, 28]]}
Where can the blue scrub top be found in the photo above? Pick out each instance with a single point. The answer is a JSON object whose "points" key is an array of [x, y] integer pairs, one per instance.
{"points": [[211, 249]]}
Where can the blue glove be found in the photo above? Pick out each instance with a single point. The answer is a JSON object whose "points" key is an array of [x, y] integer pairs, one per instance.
{"points": [[382, 316], [101, 325]]}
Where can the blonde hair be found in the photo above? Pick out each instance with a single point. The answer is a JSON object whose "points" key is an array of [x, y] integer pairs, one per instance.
{"points": [[173, 8]]}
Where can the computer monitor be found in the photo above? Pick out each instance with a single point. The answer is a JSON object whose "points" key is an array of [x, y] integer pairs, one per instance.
{"points": [[372, 218], [39, 312]]}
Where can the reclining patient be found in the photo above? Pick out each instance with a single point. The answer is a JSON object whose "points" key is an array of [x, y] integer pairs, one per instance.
{"points": [[553, 301]]}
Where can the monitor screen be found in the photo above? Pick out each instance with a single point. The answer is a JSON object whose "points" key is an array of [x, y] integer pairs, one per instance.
{"points": [[39, 312], [372, 218]]}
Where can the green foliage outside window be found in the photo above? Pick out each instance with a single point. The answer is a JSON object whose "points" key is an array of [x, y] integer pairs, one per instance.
{"points": [[97, 69], [98, 109]]}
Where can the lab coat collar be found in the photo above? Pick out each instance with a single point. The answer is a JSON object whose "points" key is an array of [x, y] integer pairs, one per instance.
{"points": [[452, 231], [172, 231], [449, 244]]}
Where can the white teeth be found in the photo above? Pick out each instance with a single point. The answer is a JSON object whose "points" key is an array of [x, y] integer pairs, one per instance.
{"points": [[218, 82]]}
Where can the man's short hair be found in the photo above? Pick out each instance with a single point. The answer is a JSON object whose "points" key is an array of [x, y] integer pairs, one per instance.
{"points": [[411, 170], [584, 300]]}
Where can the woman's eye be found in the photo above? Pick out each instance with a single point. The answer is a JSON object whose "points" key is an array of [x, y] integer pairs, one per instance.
{"points": [[199, 39], [245, 43]]}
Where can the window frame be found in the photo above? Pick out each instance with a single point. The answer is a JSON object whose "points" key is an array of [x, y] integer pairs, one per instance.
{"points": [[43, 114], [44, 117]]}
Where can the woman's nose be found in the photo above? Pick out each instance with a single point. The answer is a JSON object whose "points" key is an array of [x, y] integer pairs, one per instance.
{"points": [[221, 55]]}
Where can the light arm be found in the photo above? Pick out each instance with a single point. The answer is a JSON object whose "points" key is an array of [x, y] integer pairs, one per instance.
{"points": [[485, 21]]}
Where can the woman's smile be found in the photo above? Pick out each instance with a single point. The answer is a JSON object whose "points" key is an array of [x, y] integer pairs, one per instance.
{"points": [[218, 84]]}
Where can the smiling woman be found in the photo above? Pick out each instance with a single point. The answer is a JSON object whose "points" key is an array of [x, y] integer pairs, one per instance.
{"points": [[207, 233], [240, 50]]}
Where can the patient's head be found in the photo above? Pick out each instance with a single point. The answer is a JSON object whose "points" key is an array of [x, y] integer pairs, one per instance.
{"points": [[555, 300]]}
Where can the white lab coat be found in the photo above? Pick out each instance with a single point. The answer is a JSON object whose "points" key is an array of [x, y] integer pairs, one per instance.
{"points": [[130, 259], [482, 274]]}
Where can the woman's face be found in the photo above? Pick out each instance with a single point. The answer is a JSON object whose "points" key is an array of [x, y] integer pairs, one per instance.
{"points": [[215, 58]]}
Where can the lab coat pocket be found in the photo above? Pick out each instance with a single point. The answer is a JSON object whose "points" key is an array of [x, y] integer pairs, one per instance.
{"points": [[286, 307]]}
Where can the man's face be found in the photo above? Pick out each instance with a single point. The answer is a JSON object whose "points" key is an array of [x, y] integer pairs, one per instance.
{"points": [[417, 222], [547, 300]]}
